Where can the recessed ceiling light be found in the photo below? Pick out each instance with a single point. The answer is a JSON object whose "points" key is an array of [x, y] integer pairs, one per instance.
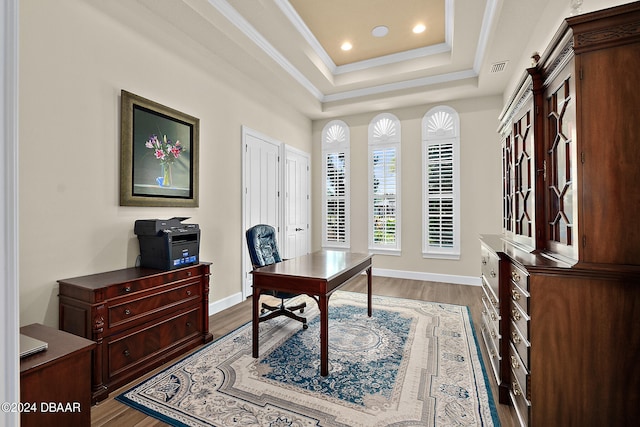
{"points": [[346, 46], [419, 28], [380, 31]]}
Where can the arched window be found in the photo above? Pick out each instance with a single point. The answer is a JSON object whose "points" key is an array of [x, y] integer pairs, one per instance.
{"points": [[335, 185], [441, 183], [384, 184]]}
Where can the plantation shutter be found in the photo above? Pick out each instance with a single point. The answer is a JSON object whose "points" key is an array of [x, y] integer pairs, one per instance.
{"points": [[384, 196], [335, 185], [336, 203], [384, 184], [440, 195], [440, 183]]}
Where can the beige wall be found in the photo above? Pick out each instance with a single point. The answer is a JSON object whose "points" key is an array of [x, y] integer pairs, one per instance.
{"points": [[74, 60], [480, 185]]}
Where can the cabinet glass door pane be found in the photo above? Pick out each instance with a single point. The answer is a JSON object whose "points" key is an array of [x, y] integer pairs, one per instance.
{"points": [[560, 164], [523, 149], [507, 185]]}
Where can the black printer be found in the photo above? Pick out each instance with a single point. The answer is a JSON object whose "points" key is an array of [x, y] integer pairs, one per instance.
{"points": [[167, 244]]}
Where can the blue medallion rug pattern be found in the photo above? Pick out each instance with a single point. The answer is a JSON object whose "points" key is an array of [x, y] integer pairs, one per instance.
{"points": [[413, 363]]}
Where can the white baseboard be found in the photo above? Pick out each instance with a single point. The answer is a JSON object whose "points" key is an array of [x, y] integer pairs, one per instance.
{"points": [[430, 277], [230, 301]]}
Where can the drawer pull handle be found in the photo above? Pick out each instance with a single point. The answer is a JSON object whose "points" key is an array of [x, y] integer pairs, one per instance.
{"points": [[493, 273], [127, 312], [493, 334], [514, 363], [189, 292], [127, 288], [126, 353], [516, 315], [188, 324], [189, 274], [515, 276], [484, 261], [515, 338], [493, 316], [515, 295], [493, 353], [516, 389]]}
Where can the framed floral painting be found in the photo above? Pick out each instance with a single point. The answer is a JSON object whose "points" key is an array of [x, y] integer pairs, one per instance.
{"points": [[159, 154]]}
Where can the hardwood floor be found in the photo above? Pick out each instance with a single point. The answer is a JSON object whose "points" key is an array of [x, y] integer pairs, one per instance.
{"points": [[113, 413]]}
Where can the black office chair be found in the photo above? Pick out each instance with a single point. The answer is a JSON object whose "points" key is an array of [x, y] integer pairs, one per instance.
{"points": [[263, 250]]}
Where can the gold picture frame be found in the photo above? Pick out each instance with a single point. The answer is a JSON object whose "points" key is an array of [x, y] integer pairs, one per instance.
{"points": [[159, 154]]}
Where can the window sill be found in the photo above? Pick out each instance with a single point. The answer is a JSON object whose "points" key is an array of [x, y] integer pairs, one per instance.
{"points": [[391, 252], [440, 256]]}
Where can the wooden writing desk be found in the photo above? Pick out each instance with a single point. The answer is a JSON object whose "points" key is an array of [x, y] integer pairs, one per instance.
{"points": [[318, 275]]}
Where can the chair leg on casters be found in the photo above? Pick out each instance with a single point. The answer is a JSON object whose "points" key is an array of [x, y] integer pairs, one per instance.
{"points": [[284, 311]]}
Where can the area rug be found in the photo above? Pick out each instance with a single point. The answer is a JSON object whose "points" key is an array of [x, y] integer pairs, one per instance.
{"points": [[413, 363]]}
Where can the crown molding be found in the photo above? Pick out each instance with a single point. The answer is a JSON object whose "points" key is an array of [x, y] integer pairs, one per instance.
{"points": [[489, 18], [405, 84], [247, 29]]}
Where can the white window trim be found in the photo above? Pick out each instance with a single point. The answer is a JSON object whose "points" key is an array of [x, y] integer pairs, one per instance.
{"points": [[438, 136], [336, 144], [385, 142]]}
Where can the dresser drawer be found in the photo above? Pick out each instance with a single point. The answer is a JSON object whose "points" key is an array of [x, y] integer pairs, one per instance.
{"points": [[520, 370], [519, 296], [520, 319], [521, 344], [520, 403], [492, 344], [492, 331], [127, 310], [132, 286], [488, 297], [490, 268], [519, 276], [490, 314], [137, 347]]}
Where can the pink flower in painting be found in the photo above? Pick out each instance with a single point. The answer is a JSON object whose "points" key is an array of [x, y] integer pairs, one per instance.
{"points": [[164, 149], [176, 149], [152, 142]]}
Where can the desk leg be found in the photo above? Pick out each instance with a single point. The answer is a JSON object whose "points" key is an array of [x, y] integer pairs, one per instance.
{"points": [[369, 311], [323, 304], [256, 319]]}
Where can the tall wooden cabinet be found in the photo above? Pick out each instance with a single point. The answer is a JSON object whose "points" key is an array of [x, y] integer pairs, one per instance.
{"points": [[568, 298]]}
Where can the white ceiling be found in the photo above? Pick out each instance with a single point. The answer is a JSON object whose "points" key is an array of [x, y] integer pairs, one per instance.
{"points": [[269, 42]]}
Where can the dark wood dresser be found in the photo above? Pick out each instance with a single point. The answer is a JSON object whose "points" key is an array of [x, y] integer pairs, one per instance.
{"points": [[562, 282], [51, 391], [139, 318]]}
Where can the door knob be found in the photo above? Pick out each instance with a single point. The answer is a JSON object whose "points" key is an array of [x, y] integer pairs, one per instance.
{"points": [[299, 229]]}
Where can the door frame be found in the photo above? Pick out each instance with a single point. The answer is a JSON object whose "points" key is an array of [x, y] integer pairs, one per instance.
{"points": [[247, 131], [285, 150]]}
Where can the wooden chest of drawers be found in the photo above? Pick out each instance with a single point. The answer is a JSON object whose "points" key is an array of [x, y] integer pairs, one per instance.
{"points": [[138, 317], [567, 349]]}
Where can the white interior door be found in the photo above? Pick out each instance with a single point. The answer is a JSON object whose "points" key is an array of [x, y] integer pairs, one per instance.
{"points": [[261, 186], [296, 202]]}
